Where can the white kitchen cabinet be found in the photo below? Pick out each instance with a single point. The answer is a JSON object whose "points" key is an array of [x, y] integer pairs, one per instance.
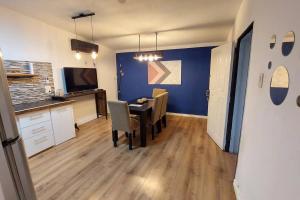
{"points": [[38, 143], [63, 123], [45, 128], [33, 118], [36, 131]]}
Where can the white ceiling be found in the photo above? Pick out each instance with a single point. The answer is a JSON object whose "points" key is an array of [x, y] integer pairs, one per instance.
{"points": [[117, 22]]}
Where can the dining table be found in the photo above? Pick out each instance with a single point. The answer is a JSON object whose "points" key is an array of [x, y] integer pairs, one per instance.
{"points": [[143, 111]]}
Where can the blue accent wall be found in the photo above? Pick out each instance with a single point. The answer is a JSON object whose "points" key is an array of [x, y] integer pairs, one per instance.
{"points": [[187, 98]]}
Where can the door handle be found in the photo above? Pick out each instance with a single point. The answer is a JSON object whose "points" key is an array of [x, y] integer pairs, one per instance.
{"points": [[38, 130]]}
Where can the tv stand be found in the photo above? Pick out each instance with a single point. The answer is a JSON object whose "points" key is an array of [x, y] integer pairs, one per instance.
{"points": [[100, 99]]}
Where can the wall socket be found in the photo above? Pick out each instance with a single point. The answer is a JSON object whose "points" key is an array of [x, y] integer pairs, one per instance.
{"points": [[48, 89]]}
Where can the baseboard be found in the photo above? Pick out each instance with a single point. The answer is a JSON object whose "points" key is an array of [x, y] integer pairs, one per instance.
{"points": [[85, 119], [236, 190], [187, 115]]}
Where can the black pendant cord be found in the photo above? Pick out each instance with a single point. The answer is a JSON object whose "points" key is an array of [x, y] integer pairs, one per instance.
{"points": [[156, 41], [75, 27], [139, 43], [92, 27]]}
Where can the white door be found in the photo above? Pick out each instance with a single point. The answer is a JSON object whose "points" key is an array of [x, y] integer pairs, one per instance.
{"points": [[219, 87], [63, 123]]}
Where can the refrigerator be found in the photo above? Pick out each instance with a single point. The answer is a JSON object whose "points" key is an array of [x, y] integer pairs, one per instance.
{"points": [[15, 178]]}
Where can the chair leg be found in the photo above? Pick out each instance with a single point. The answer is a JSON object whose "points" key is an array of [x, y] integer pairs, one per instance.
{"points": [[133, 134], [158, 126], [152, 131], [130, 140], [126, 134], [164, 120], [115, 138]]}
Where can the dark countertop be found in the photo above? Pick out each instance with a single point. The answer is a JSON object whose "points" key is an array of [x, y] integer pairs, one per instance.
{"points": [[77, 94], [39, 105]]}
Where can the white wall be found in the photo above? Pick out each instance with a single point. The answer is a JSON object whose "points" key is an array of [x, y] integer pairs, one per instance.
{"points": [[107, 72], [1, 192], [107, 76], [230, 35], [25, 38], [269, 159]]}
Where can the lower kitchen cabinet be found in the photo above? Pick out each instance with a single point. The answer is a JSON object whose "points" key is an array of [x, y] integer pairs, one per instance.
{"points": [[45, 128], [63, 123], [38, 143]]}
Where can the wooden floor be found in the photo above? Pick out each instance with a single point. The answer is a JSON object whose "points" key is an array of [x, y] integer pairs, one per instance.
{"points": [[181, 163]]}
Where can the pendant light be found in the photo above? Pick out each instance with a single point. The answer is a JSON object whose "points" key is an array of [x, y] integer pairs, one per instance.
{"points": [[94, 53], [139, 56], [82, 46], [77, 53], [148, 56]]}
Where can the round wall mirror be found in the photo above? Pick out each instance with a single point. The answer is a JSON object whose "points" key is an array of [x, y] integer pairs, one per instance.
{"points": [[288, 43], [279, 86], [273, 41]]}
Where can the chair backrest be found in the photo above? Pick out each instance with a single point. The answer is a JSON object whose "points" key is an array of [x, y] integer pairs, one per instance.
{"points": [[158, 91], [164, 104], [157, 108], [119, 115]]}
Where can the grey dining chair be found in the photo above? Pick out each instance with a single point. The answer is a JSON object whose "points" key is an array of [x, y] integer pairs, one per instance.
{"points": [[155, 115], [157, 91], [163, 114], [121, 121]]}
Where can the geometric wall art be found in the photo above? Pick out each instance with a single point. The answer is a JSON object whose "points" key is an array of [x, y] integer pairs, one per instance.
{"points": [[164, 72]]}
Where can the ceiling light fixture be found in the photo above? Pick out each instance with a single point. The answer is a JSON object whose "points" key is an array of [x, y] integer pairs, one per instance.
{"points": [[81, 46], [148, 56]]}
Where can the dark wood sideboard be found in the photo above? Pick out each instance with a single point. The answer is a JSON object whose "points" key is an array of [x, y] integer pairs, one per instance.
{"points": [[100, 99], [101, 103]]}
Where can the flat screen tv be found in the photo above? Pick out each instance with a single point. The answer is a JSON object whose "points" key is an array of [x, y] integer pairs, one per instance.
{"points": [[80, 79]]}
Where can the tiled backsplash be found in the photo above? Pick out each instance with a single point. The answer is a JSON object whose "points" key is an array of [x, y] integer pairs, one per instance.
{"points": [[30, 89]]}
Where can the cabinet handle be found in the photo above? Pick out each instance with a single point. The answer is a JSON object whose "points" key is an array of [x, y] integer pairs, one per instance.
{"points": [[38, 130], [61, 110], [36, 117], [41, 140]]}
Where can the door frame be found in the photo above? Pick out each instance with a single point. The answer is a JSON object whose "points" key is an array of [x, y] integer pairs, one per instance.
{"points": [[233, 85]]}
